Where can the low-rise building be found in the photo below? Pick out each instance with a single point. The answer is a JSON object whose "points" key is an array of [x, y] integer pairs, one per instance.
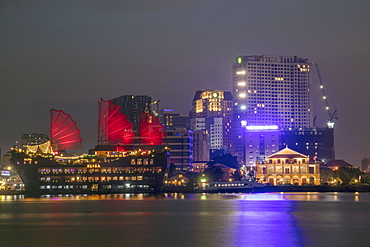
{"points": [[288, 167]]}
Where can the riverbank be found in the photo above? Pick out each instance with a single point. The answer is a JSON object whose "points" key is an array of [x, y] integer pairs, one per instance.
{"points": [[266, 189]]}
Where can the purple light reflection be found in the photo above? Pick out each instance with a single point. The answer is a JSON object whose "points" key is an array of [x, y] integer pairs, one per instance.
{"points": [[266, 220]]}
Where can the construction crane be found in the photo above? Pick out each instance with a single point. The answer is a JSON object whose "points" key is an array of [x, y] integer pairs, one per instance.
{"points": [[332, 115]]}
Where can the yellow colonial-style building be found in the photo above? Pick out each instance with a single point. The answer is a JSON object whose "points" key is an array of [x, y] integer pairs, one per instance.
{"points": [[288, 167]]}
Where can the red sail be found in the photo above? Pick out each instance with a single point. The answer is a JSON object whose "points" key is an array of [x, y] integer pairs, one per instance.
{"points": [[113, 126], [64, 134], [151, 131]]}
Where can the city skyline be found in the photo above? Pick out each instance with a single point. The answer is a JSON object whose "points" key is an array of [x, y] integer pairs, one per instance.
{"points": [[68, 56]]}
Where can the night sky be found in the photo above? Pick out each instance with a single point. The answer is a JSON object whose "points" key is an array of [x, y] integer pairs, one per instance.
{"points": [[69, 54]]}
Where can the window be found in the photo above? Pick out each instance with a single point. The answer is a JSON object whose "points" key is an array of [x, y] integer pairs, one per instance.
{"points": [[311, 170]]}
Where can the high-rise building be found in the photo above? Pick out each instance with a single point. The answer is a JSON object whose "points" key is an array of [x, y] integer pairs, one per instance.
{"points": [[317, 143], [132, 105], [212, 112], [180, 143], [269, 91], [259, 143], [34, 139], [365, 164], [200, 146], [173, 120]]}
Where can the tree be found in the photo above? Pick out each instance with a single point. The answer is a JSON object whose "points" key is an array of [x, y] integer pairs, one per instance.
{"points": [[326, 175], [347, 174], [213, 173], [237, 176], [365, 178], [228, 160]]}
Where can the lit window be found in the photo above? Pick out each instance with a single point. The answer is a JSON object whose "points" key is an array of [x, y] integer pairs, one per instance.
{"points": [[242, 83], [243, 107], [240, 72], [242, 95]]}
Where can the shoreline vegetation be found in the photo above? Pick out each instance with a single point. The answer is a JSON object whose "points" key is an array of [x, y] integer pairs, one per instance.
{"points": [[267, 189]]}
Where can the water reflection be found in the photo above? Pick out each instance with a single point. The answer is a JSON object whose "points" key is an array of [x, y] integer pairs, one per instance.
{"points": [[266, 224], [177, 219]]}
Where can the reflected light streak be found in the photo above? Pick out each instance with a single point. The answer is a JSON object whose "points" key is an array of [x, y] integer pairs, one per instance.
{"points": [[274, 222]]}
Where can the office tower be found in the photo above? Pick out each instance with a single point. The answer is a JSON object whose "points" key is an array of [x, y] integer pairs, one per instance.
{"points": [[318, 143], [34, 139], [212, 112], [269, 91], [200, 146], [180, 143], [260, 143], [132, 105], [173, 120]]}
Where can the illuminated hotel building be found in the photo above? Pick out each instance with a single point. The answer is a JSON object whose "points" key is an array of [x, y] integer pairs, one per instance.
{"points": [[269, 91], [212, 112]]}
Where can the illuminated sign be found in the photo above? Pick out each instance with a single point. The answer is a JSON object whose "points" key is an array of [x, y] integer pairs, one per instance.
{"points": [[5, 173], [263, 127], [239, 60]]}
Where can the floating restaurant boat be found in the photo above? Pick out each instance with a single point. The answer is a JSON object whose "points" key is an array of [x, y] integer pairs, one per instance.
{"points": [[115, 165]]}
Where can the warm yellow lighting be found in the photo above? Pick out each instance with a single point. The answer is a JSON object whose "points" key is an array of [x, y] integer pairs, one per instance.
{"points": [[199, 106], [242, 83], [242, 95], [240, 72]]}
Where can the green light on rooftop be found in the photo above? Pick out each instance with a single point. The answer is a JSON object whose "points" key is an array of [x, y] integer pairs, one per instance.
{"points": [[239, 60]]}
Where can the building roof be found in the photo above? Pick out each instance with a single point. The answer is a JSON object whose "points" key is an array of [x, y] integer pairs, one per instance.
{"points": [[287, 153], [337, 163]]}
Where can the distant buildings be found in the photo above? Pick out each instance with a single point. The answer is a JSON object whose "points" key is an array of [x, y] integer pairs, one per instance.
{"points": [[201, 146], [272, 90], [212, 112], [33, 139], [173, 120], [272, 109], [132, 105], [259, 143], [318, 143], [365, 165], [180, 143]]}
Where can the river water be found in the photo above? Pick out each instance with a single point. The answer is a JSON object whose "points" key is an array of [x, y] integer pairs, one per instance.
{"points": [[266, 219]]}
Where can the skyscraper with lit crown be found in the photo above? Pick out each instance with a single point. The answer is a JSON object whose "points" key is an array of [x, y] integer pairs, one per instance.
{"points": [[212, 112]]}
